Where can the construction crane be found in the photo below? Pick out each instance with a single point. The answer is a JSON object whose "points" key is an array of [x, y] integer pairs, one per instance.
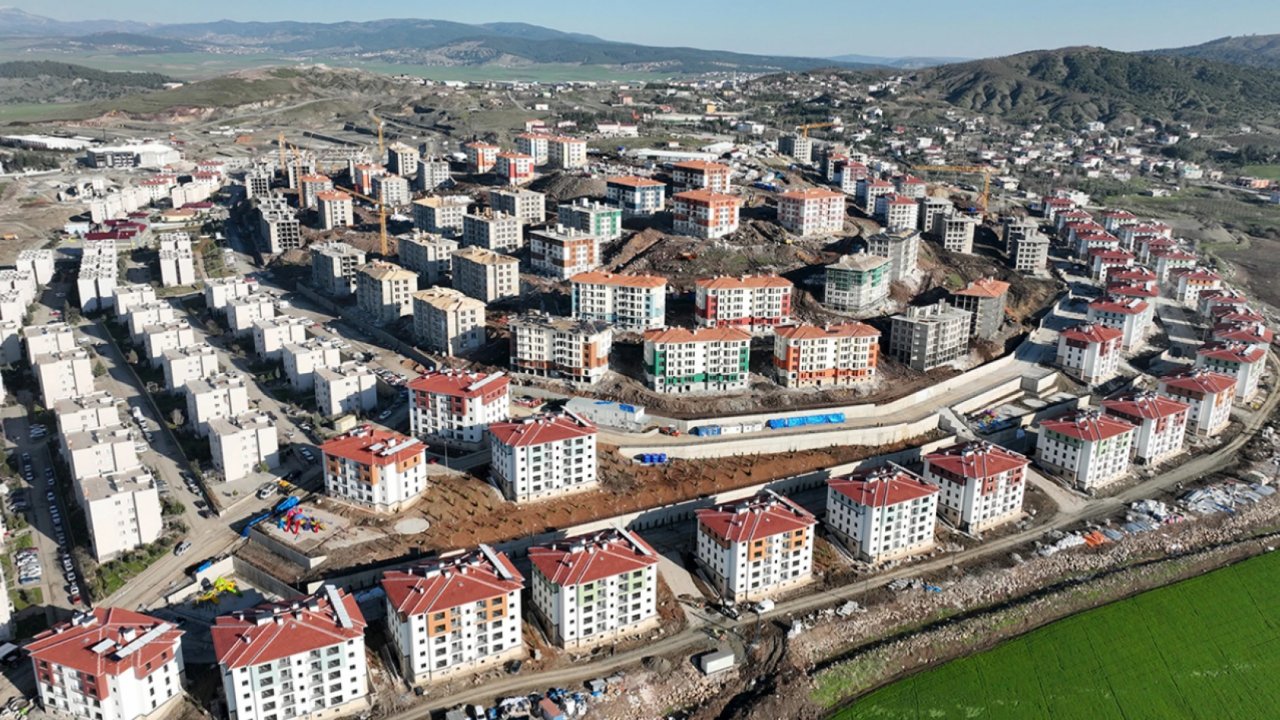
{"points": [[985, 198], [382, 152], [804, 129], [382, 216]]}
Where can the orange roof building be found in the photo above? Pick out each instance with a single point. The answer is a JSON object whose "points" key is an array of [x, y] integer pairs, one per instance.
{"points": [[1161, 423], [543, 456], [677, 360], [701, 175], [629, 302], [755, 303], [704, 214], [825, 356], [377, 469]]}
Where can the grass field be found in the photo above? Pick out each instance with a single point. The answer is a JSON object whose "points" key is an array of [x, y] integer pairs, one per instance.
{"points": [[1208, 647], [1269, 172]]}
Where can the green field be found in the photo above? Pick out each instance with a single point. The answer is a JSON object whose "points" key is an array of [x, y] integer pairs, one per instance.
{"points": [[1208, 647], [1269, 172]]}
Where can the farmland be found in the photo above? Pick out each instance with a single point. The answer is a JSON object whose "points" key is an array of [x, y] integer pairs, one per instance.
{"points": [[1206, 647]]}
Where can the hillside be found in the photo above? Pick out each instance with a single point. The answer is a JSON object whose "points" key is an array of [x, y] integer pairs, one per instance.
{"points": [[1077, 85], [1247, 50], [55, 82]]}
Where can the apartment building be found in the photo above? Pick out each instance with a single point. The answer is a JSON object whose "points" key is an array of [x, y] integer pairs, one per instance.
{"points": [[63, 375], [127, 297], [1241, 361], [562, 252], [812, 211], [542, 456], [333, 267], [499, 232], [486, 275], [1104, 262], [701, 175], [309, 188], [481, 157], [177, 263], [454, 615], [99, 452], [636, 196], [1160, 422], [380, 470], [755, 548], [1168, 261], [857, 283], [457, 407], [402, 160], [428, 255], [159, 339], [934, 212], [556, 347], [441, 214], [897, 212], [1029, 253], [566, 153], [219, 292], [54, 337], [223, 395], [351, 387], [433, 174], [514, 168], [87, 412], [301, 658], [184, 364], [279, 228], [704, 214], [144, 316], [796, 146], [384, 291], [535, 145], [243, 312], [529, 206], [1088, 448], [1253, 333], [301, 360], [122, 511], [955, 231], [591, 217], [447, 322], [38, 262], [594, 588], [1131, 316], [984, 300], [270, 336], [335, 209], [95, 280], [981, 485], [677, 360], [902, 247], [1090, 352], [755, 303], [926, 337], [882, 514], [1209, 396], [830, 356], [1190, 284], [107, 664], [392, 190], [243, 444], [630, 302]]}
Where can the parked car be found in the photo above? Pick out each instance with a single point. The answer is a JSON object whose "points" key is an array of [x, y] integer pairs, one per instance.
{"points": [[182, 547]]}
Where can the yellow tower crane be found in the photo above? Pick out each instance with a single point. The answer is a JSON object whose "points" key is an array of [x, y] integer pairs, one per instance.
{"points": [[382, 216], [985, 198], [804, 129]]}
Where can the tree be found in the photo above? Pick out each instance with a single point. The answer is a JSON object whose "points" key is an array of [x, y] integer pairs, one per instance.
{"points": [[262, 466], [131, 357], [177, 417], [99, 369]]}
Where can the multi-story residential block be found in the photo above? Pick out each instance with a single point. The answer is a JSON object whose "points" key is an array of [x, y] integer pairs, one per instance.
{"points": [[1161, 424], [481, 157], [984, 299], [535, 145], [566, 153], [1090, 352], [108, 664], [302, 359], [514, 168], [38, 262], [159, 339], [63, 375], [99, 452], [121, 511], [1131, 316], [454, 614], [830, 356], [1029, 252], [882, 514], [433, 174], [1253, 333], [428, 255], [1088, 448], [335, 209], [458, 406], [177, 262], [1104, 262], [934, 212], [185, 364], [88, 412], [926, 337], [870, 190], [562, 252], [796, 146], [1210, 396], [543, 456], [486, 275], [127, 297], [1222, 297], [243, 312], [10, 347], [529, 206], [309, 188], [704, 214], [812, 211], [1167, 261], [897, 212], [499, 232], [955, 231], [54, 337], [279, 228], [982, 485], [636, 196], [857, 283], [402, 160], [631, 302], [223, 395], [591, 217], [348, 388], [392, 190], [377, 469], [334, 265], [594, 588], [1241, 361], [755, 548], [384, 291], [755, 303], [301, 658], [219, 292], [902, 247], [447, 322], [1190, 284], [677, 360], [144, 316], [243, 444], [270, 336], [95, 280], [701, 175], [441, 214], [547, 346]]}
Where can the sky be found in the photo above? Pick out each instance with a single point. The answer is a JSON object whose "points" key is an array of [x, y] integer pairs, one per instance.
{"points": [[812, 28]]}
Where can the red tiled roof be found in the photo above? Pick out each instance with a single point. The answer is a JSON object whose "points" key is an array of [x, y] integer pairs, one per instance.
{"points": [[1200, 380], [1090, 426], [1111, 254], [588, 558], [701, 166], [541, 429], [681, 335], [761, 516], [1249, 332], [897, 200], [704, 196], [332, 196], [1144, 405], [596, 277], [811, 194], [1093, 333], [1232, 352], [723, 282], [985, 287], [374, 447], [1133, 290], [1109, 304], [976, 460], [456, 384], [633, 181], [70, 644], [451, 582], [881, 487], [271, 631], [814, 332]]}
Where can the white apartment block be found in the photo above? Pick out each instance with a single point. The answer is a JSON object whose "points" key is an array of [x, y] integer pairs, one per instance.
{"points": [[481, 156], [140, 317], [883, 514], [591, 217], [122, 511], [186, 364], [458, 406], [681, 361], [812, 211], [63, 375], [562, 252], [631, 302], [310, 186], [402, 160], [433, 174], [302, 658], [336, 210], [956, 232], [902, 247], [704, 214], [546, 346], [897, 212], [384, 291], [428, 255], [334, 266], [534, 145], [636, 196], [1242, 361], [107, 664], [100, 452], [1209, 396], [243, 312], [97, 276], [392, 190], [857, 283], [755, 548], [982, 485], [1087, 448], [10, 341], [301, 360], [753, 303], [380, 470], [514, 168], [829, 356], [595, 588], [223, 395], [219, 292], [127, 297], [543, 456], [55, 337], [441, 214], [1090, 352], [454, 615], [566, 153], [486, 275], [1133, 317], [177, 261], [278, 225], [447, 322], [1160, 421], [925, 337], [159, 339], [529, 206], [270, 336], [239, 444], [701, 175], [348, 388], [87, 412], [38, 262], [493, 231]]}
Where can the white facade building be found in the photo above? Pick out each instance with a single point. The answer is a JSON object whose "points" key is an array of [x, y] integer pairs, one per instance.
{"points": [[542, 456], [1088, 448], [883, 514], [377, 469], [348, 388], [756, 547], [981, 485], [239, 444]]}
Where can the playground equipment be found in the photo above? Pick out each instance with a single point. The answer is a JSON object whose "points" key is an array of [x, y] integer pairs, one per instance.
{"points": [[295, 521], [220, 586], [280, 508]]}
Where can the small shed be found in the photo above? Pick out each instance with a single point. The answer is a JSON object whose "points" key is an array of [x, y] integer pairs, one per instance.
{"points": [[549, 710], [716, 661]]}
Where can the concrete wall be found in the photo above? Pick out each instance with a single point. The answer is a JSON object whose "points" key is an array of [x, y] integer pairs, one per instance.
{"points": [[221, 568], [764, 443]]}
